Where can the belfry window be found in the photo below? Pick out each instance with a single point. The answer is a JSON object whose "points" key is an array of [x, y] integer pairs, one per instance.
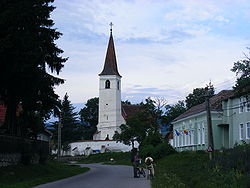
{"points": [[118, 85], [107, 84]]}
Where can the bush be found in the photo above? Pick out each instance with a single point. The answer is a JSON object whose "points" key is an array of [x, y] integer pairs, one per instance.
{"points": [[154, 138], [237, 158], [158, 151], [146, 150]]}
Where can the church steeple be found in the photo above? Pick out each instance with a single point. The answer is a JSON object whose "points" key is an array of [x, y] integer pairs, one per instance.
{"points": [[110, 65]]}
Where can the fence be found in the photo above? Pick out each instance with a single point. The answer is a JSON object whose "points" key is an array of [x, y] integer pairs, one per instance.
{"points": [[14, 150]]}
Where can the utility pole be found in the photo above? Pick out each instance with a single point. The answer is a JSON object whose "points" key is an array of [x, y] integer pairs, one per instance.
{"points": [[59, 137], [209, 89]]}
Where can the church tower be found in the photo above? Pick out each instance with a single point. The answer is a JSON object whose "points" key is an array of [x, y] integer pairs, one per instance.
{"points": [[110, 116]]}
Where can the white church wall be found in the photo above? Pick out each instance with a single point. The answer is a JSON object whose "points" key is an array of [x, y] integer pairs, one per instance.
{"points": [[110, 117], [89, 147]]}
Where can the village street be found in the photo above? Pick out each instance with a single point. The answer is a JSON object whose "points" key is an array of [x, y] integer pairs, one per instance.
{"points": [[101, 176]]}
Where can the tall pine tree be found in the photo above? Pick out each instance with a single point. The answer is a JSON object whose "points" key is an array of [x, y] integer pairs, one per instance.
{"points": [[70, 127], [28, 55]]}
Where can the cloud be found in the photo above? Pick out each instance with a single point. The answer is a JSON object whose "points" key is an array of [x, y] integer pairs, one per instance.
{"points": [[163, 48]]}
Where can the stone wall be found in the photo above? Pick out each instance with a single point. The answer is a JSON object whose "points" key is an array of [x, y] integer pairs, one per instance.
{"points": [[7, 159], [14, 150]]}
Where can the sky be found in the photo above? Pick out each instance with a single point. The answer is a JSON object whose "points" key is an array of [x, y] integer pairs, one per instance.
{"points": [[164, 48]]}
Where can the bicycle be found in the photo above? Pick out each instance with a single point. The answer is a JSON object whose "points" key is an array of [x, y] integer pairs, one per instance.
{"points": [[140, 172]]}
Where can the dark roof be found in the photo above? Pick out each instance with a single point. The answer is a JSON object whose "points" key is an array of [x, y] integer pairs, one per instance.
{"points": [[129, 110], [215, 104], [110, 65]]}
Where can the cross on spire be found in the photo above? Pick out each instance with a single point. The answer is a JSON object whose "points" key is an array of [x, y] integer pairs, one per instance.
{"points": [[111, 25]]}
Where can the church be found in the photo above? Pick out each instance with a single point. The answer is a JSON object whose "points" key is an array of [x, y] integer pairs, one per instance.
{"points": [[112, 114]]}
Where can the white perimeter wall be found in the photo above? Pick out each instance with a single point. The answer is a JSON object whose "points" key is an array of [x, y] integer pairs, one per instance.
{"points": [[81, 147]]}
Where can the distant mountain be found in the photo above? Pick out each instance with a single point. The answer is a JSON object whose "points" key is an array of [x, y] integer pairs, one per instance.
{"points": [[78, 106]]}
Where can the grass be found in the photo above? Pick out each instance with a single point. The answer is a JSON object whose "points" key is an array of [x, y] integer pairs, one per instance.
{"points": [[120, 158], [193, 169], [21, 176]]}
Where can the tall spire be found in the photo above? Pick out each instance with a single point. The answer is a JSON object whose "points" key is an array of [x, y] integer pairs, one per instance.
{"points": [[110, 65]]}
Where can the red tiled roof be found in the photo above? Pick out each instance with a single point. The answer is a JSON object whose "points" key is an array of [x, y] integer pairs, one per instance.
{"points": [[2, 113], [215, 104], [130, 110], [110, 65]]}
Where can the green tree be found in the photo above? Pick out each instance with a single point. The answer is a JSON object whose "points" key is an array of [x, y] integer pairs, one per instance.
{"points": [[197, 97], [242, 70], [28, 53], [143, 123], [173, 111], [89, 116], [154, 112], [70, 127], [136, 128], [126, 102]]}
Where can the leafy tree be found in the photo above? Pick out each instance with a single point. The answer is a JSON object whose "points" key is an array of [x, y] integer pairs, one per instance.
{"points": [[242, 70], [153, 138], [153, 111], [141, 124], [89, 116], [28, 53], [126, 102], [136, 128], [173, 111], [197, 97]]}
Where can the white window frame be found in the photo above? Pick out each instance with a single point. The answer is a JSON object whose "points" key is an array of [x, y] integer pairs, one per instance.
{"points": [[183, 139], [241, 131], [174, 140], [203, 133], [192, 139], [187, 142], [241, 106], [248, 106], [248, 130], [198, 136], [177, 141], [180, 140]]}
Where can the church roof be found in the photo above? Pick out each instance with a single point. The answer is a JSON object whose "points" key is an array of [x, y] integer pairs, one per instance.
{"points": [[110, 65], [130, 110]]}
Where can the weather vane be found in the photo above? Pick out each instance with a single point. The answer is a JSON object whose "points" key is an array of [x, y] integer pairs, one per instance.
{"points": [[111, 25]]}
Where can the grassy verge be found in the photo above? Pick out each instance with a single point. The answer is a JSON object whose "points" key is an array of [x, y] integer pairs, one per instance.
{"points": [[190, 169], [21, 176], [120, 158]]}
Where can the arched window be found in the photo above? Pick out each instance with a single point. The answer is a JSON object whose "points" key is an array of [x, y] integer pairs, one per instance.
{"points": [[118, 85], [107, 84]]}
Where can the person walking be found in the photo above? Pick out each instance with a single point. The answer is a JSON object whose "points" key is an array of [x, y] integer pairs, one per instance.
{"points": [[150, 166]]}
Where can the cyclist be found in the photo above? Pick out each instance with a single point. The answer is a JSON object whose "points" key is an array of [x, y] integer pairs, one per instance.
{"points": [[150, 166], [136, 162]]}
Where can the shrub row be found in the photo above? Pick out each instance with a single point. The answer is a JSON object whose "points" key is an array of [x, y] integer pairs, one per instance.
{"points": [[237, 158], [157, 152]]}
